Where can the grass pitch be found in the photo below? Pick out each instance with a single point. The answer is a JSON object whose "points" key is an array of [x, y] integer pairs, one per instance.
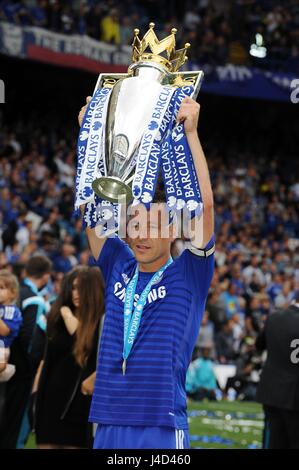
{"points": [[220, 425]]}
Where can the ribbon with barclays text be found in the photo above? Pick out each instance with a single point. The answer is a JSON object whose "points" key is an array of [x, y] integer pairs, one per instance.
{"points": [[163, 146]]}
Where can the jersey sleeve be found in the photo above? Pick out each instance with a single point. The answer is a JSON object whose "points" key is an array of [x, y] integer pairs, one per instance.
{"points": [[113, 251], [13, 320], [197, 267]]}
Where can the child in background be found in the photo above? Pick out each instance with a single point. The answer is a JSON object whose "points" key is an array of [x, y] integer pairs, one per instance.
{"points": [[10, 316]]}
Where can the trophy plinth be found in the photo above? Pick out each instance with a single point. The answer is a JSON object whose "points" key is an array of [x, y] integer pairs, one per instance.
{"points": [[112, 189]]}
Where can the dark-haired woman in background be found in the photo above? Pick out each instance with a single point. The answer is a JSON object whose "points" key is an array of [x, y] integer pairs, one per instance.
{"points": [[67, 372]]}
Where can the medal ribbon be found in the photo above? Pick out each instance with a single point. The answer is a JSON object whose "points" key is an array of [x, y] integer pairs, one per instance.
{"points": [[132, 318]]}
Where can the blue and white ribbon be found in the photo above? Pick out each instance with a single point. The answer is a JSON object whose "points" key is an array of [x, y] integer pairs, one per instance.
{"points": [[91, 164], [163, 145], [101, 212], [170, 150], [91, 160], [148, 157], [181, 183]]}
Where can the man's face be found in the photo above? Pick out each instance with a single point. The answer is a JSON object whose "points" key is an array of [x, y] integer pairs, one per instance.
{"points": [[149, 233], [232, 289]]}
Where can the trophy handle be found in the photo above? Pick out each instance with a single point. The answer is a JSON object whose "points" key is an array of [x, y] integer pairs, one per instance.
{"points": [[108, 80], [176, 79], [180, 79]]}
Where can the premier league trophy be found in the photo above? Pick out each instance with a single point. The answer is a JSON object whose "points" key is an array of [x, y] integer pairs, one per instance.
{"points": [[129, 131]]}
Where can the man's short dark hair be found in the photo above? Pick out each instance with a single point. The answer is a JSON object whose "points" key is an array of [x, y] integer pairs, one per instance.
{"points": [[160, 195], [37, 266]]}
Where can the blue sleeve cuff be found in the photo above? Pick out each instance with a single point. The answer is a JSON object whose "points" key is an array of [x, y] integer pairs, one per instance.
{"points": [[210, 243]]}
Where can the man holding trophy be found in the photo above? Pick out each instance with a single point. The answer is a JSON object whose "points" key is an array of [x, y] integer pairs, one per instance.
{"points": [[136, 126]]}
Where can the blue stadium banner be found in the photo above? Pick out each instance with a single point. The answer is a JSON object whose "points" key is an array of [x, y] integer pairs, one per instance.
{"points": [[246, 82], [95, 56], [83, 52]]}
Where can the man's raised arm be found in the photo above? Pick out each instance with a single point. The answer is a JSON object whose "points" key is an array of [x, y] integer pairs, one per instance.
{"points": [[95, 239], [189, 114]]}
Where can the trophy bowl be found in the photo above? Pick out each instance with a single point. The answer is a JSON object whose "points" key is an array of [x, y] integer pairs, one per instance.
{"points": [[112, 189], [131, 104], [130, 107]]}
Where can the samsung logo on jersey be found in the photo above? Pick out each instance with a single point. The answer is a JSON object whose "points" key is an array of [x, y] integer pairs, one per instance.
{"points": [[155, 293]]}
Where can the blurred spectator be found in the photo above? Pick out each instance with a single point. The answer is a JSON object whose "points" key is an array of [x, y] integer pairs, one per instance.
{"points": [[253, 273], [191, 19], [246, 378], [94, 19], [26, 353], [278, 387], [110, 27], [285, 297], [70, 360], [65, 168], [54, 16], [206, 334], [220, 32], [79, 239], [39, 13], [51, 226], [216, 309], [67, 20], [66, 260], [225, 343], [201, 380], [238, 331], [231, 300], [10, 315], [126, 29], [255, 314]]}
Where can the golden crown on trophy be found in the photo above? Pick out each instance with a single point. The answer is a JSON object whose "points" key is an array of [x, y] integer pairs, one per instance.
{"points": [[173, 60]]}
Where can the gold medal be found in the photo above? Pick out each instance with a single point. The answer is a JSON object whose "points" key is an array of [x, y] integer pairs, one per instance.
{"points": [[124, 366]]}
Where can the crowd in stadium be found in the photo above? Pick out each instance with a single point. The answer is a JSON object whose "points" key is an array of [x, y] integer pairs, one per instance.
{"points": [[257, 221], [254, 170], [220, 31]]}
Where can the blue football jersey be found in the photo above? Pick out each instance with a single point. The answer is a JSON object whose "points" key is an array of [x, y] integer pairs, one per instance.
{"points": [[152, 392], [12, 317]]}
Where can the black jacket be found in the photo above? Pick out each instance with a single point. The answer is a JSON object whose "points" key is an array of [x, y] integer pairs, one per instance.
{"points": [[27, 349], [279, 384], [59, 388]]}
